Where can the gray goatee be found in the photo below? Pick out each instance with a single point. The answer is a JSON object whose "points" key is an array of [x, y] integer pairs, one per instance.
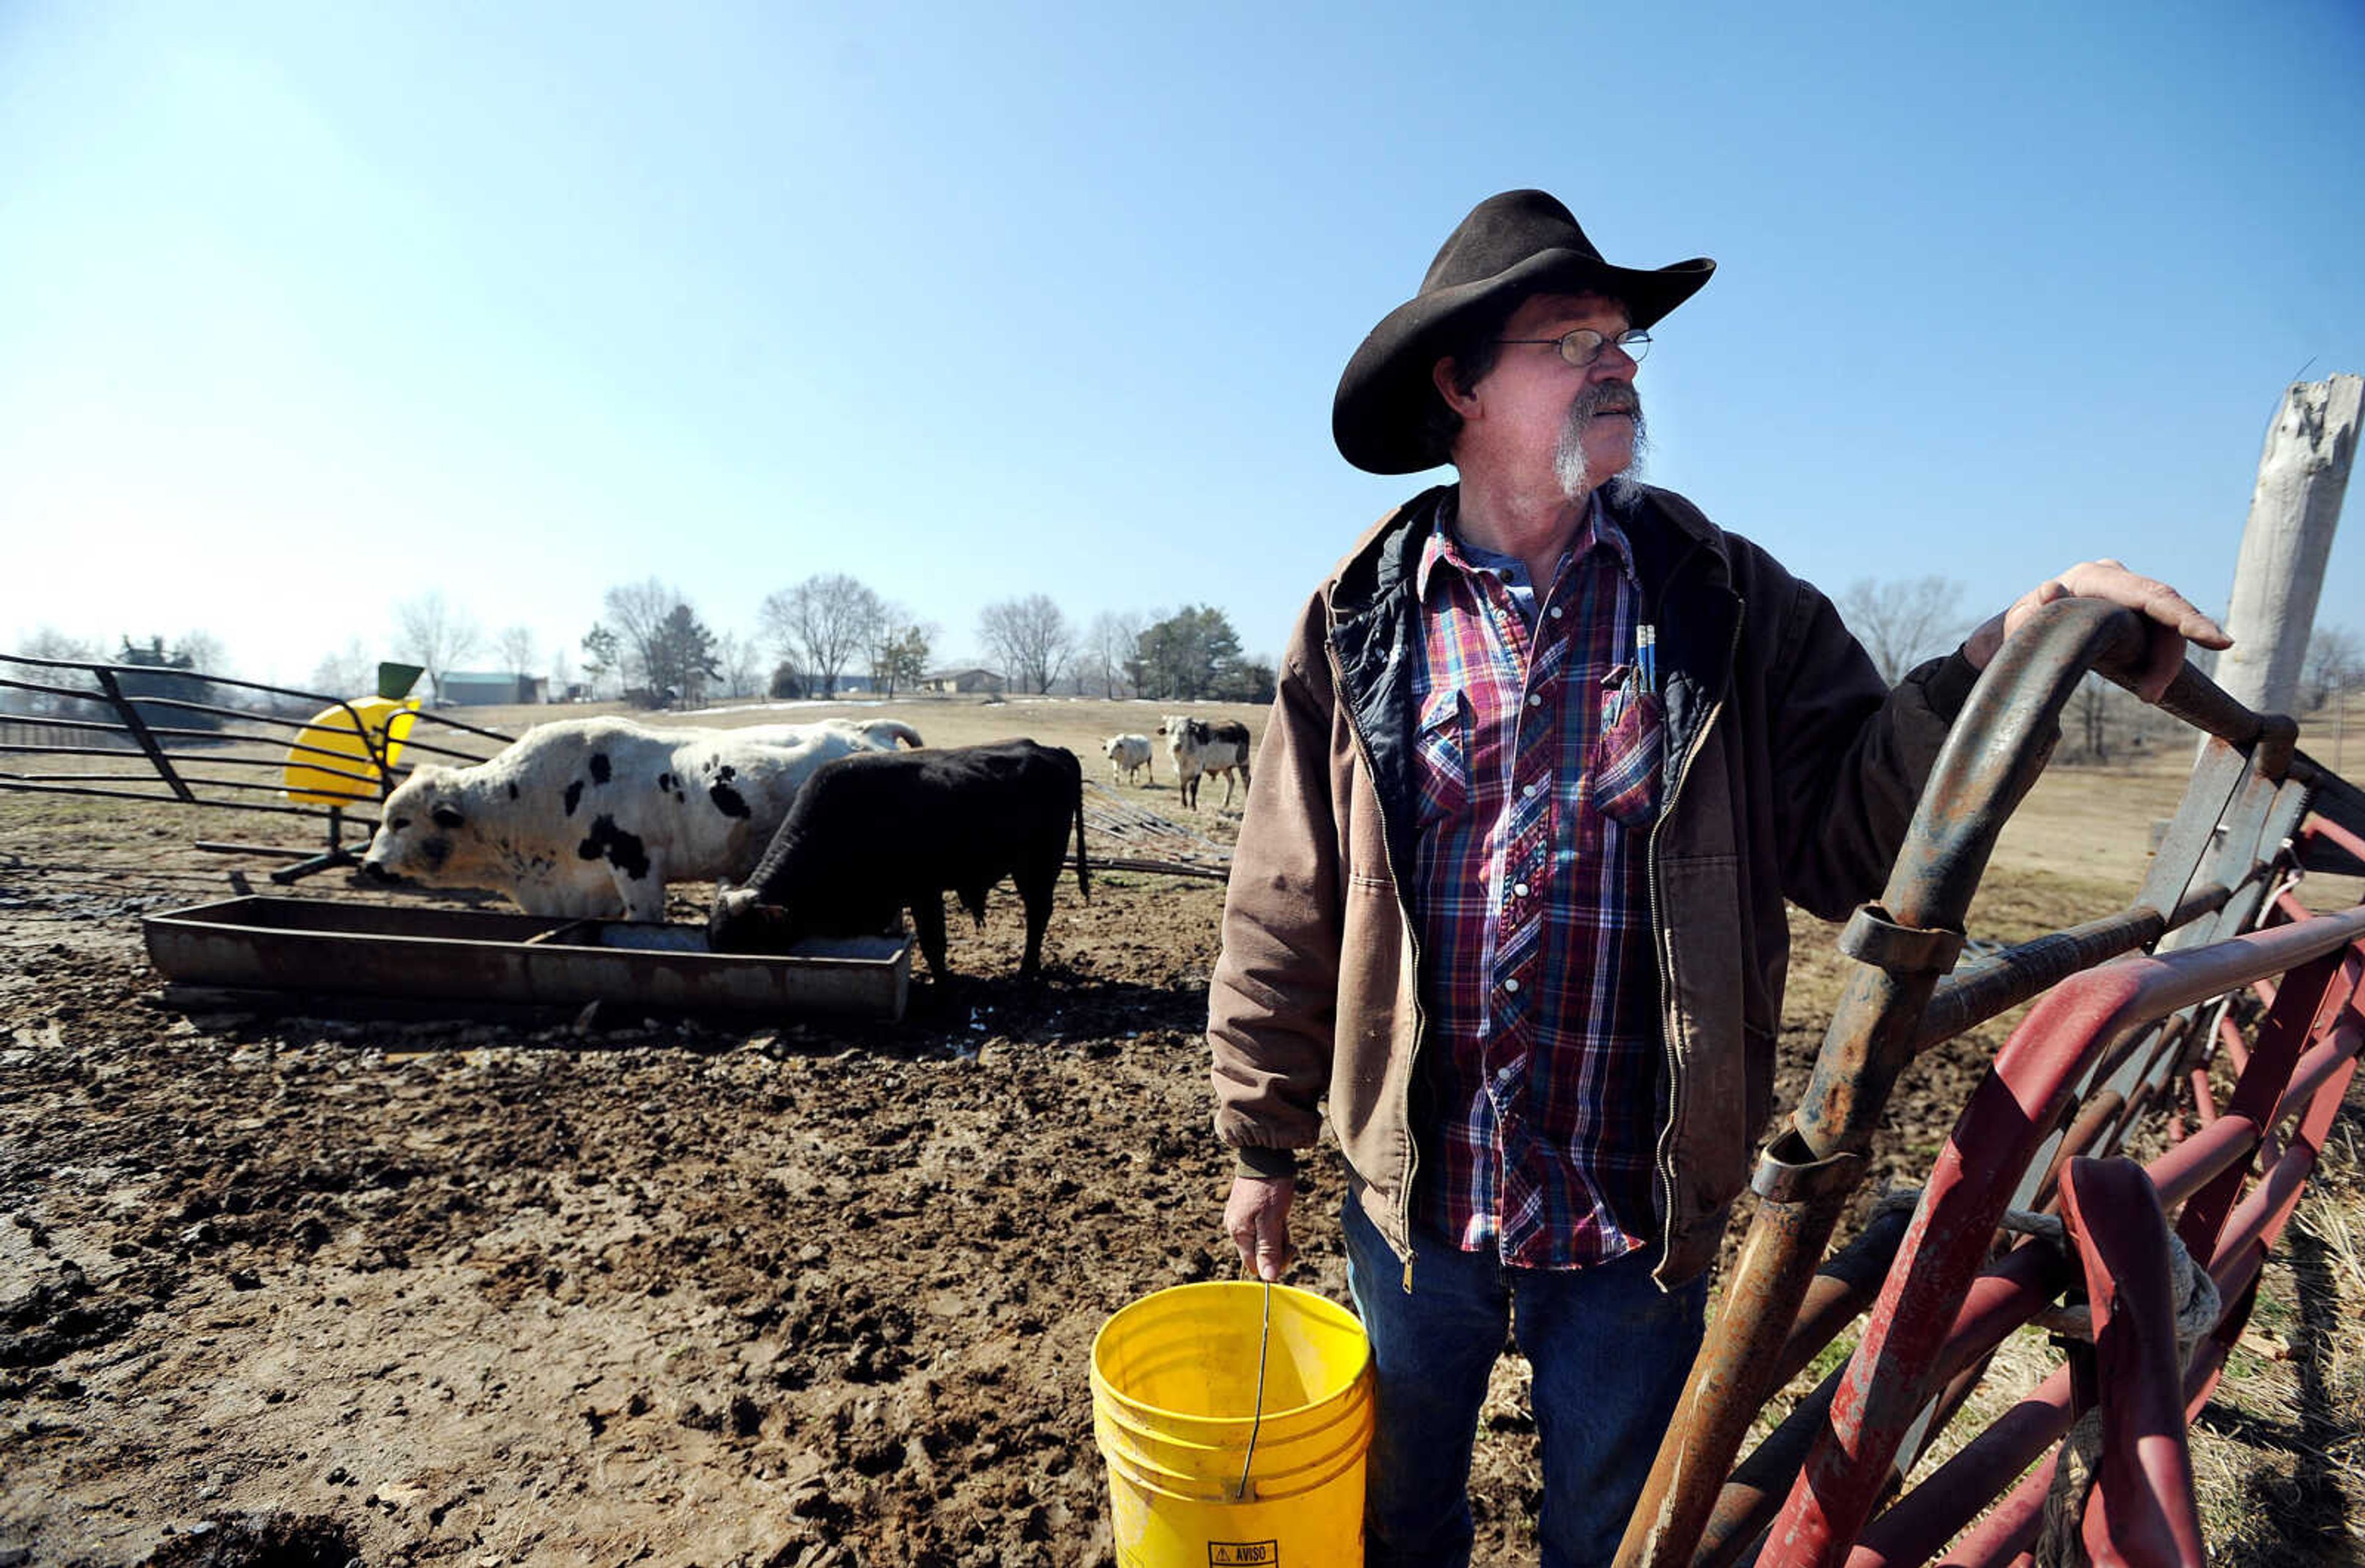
{"points": [[1576, 480]]}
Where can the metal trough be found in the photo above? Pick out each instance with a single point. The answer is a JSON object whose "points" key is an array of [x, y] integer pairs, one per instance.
{"points": [[313, 944]]}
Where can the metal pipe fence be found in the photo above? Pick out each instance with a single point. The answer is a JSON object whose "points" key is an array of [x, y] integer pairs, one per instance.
{"points": [[2134, 1003], [75, 727]]}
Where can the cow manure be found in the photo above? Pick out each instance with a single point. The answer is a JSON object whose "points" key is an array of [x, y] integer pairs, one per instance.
{"points": [[274, 1540]]}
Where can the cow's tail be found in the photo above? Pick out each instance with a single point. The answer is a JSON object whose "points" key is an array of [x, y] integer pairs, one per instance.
{"points": [[1083, 877]]}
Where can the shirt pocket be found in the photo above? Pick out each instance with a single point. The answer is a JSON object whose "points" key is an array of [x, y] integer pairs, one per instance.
{"points": [[1442, 744], [1625, 753]]}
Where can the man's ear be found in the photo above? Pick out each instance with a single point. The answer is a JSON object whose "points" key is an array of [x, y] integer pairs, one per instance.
{"points": [[1443, 375]]}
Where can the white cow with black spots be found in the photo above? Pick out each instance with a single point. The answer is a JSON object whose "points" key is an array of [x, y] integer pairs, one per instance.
{"points": [[593, 817], [1199, 747]]}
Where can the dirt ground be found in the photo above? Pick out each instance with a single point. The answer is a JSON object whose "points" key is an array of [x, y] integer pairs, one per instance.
{"points": [[416, 1288]]}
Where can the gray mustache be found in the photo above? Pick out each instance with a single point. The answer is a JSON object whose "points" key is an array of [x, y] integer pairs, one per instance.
{"points": [[1607, 398]]}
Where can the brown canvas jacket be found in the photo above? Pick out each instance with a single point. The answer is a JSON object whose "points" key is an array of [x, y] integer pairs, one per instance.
{"points": [[1791, 772]]}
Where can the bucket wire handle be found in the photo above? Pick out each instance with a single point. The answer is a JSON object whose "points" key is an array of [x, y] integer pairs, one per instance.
{"points": [[1264, 1338]]}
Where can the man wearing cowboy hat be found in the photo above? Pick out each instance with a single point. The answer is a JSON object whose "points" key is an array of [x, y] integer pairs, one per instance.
{"points": [[1549, 752]]}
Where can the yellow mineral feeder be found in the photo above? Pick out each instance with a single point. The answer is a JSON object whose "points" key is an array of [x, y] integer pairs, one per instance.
{"points": [[331, 761]]}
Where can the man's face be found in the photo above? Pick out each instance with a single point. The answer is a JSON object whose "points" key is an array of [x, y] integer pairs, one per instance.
{"points": [[1539, 413]]}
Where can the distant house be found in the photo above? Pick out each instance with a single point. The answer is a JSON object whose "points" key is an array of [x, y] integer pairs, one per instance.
{"points": [[476, 689], [963, 680]]}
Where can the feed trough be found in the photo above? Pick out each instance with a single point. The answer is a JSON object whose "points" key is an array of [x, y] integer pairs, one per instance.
{"points": [[314, 944]]}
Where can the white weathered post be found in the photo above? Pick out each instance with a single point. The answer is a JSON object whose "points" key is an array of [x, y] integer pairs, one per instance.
{"points": [[2302, 474]]}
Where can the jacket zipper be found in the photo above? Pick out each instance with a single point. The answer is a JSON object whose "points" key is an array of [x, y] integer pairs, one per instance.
{"points": [[1412, 937], [1665, 1170]]}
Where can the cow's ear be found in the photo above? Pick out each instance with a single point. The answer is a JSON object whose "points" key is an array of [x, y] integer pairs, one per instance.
{"points": [[446, 816]]}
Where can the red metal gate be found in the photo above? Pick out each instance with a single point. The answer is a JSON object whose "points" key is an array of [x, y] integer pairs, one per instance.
{"points": [[2107, 1049]]}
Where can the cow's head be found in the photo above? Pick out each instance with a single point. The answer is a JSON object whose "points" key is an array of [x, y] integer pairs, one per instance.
{"points": [[422, 830], [742, 921], [1112, 746], [1170, 726]]}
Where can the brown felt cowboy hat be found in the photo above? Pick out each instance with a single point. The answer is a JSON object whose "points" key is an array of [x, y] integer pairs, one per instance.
{"points": [[1518, 243]]}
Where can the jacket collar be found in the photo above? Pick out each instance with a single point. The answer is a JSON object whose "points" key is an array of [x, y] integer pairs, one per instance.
{"points": [[1662, 528], [1445, 548]]}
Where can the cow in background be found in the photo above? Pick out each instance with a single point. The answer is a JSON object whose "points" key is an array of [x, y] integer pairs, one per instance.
{"points": [[874, 836], [1128, 754], [1200, 747]]}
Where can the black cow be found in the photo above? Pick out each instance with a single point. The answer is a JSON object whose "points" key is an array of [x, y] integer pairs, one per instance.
{"points": [[864, 843]]}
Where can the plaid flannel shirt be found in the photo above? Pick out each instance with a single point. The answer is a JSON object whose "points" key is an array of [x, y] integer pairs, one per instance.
{"points": [[1532, 903]]}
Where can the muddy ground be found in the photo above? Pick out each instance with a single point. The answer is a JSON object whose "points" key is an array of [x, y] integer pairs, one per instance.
{"points": [[307, 1288]]}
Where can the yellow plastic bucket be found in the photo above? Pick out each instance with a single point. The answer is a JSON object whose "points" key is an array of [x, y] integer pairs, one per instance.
{"points": [[308, 777], [1202, 1473]]}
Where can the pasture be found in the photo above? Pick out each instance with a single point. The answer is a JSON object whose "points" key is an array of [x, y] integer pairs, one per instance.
{"points": [[414, 1286]]}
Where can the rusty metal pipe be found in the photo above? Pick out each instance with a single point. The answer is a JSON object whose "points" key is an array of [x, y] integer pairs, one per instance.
{"points": [[1746, 1503], [1842, 1288], [1978, 992]]}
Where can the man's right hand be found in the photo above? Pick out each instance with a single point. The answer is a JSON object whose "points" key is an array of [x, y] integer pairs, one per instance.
{"points": [[1256, 1216]]}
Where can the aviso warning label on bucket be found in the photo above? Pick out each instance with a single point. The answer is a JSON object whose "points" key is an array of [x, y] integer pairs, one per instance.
{"points": [[1238, 1553]]}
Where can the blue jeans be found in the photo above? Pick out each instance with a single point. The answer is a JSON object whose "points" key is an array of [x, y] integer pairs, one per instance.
{"points": [[1610, 1351]]}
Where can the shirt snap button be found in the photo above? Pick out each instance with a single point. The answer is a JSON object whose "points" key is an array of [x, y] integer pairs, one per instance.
{"points": [[1519, 889], [1510, 985]]}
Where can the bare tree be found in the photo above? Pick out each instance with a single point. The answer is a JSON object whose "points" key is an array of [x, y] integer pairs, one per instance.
{"points": [[637, 612], [435, 635], [1109, 645], [562, 673], [206, 652], [49, 642], [739, 661], [2335, 659], [516, 648], [2092, 704], [1031, 638], [1902, 622], [822, 624], [349, 672]]}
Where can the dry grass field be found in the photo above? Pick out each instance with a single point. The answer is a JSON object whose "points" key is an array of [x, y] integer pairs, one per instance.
{"points": [[411, 1286]]}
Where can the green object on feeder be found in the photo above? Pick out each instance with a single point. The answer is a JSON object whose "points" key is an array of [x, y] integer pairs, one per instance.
{"points": [[395, 681]]}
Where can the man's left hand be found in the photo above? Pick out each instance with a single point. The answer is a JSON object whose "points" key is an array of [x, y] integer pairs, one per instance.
{"points": [[2174, 621]]}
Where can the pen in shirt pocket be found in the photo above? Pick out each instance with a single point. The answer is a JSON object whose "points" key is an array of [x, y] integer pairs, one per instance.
{"points": [[1617, 690], [1646, 655]]}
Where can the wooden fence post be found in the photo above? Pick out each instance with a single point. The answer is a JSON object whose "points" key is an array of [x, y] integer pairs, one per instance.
{"points": [[2302, 474]]}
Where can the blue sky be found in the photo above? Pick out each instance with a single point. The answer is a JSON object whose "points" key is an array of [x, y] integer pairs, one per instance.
{"points": [[305, 310]]}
